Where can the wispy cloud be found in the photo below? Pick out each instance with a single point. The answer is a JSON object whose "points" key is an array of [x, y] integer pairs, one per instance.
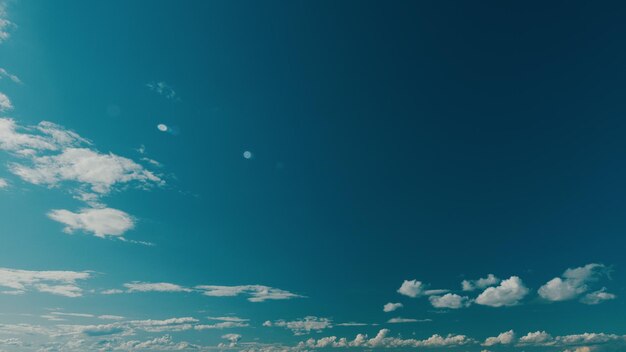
{"points": [[50, 155], [254, 293], [5, 24], [62, 283], [163, 89], [5, 74], [302, 326]]}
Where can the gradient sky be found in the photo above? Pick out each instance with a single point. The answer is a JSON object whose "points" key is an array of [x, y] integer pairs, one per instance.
{"points": [[312, 175]]}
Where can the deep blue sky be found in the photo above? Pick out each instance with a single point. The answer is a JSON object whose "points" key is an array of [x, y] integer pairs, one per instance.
{"points": [[439, 141]]}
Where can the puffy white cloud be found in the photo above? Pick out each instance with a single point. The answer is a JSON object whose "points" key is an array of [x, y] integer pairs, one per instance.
{"points": [[164, 343], [256, 293], [302, 326], [382, 340], [411, 288], [62, 283], [471, 285], [597, 297], [5, 102], [102, 222], [390, 307], [450, 300], [508, 293], [137, 286], [3, 183], [232, 338], [536, 338], [572, 284], [505, 338]]}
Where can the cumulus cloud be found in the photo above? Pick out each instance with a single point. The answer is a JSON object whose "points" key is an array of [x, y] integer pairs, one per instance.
{"points": [[302, 326], [572, 283], [390, 307], [62, 283], [482, 283], [411, 288], [382, 340], [597, 297], [5, 103], [505, 338], [536, 338], [102, 222], [450, 300], [509, 293]]}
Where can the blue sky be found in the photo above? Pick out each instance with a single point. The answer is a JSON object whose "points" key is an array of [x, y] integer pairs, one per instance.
{"points": [[298, 176]]}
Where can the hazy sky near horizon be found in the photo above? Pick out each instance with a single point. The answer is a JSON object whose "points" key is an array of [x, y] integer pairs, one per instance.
{"points": [[312, 175]]}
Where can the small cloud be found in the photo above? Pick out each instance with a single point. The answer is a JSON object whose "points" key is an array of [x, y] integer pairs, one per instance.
{"points": [[471, 285], [505, 338], [509, 293], [400, 320], [450, 301], [3, 183], [247, 154], [572, 283], [597, 297], [411, 288], [5, 103], [390, 307], [162, 127], [5, 74], [155, 287], [101, 222]]}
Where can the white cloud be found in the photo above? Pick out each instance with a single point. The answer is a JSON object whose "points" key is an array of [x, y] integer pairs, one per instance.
{"points": [[536, 338], [62, 283], [390, 307], [572, 284], [102, 222], [411, 288], [508, 293], [5, 103], [3, 183], [450, 300], [381, 340], [163, 89], [231, 319], [5, 24], [256, 293], [400, 320], [87, 167], [597, 297], [471, 285], [505, 338], [5, 74], [302, 326], [155, 287]]}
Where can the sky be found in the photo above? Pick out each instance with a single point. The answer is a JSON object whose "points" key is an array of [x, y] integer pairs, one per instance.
{"points": [[312, 176]]}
